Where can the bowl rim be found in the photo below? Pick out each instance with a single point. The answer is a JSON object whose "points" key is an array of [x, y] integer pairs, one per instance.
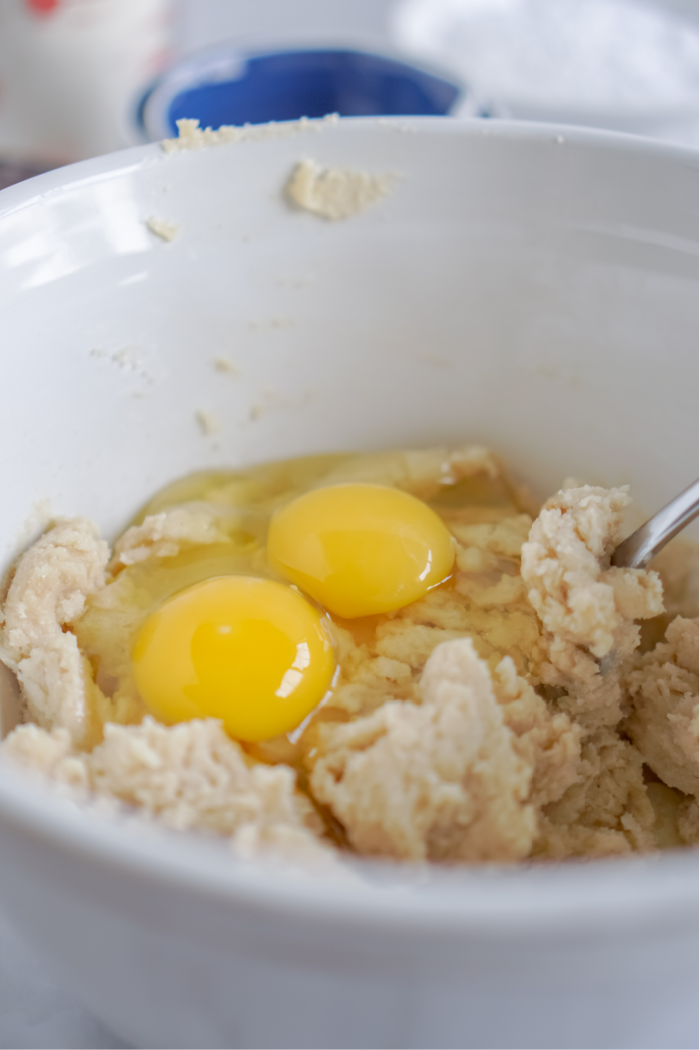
{"points": [[548, 900]]}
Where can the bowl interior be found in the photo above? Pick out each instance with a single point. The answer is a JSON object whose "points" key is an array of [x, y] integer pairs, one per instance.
{"points": [[530, 289], [520, 288]]}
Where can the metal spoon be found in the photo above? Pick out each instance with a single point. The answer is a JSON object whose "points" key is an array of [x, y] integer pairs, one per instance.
{"points": [[638, 549]]}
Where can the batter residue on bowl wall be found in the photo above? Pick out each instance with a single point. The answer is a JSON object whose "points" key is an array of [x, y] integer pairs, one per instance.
{"points": [[508, 713]]}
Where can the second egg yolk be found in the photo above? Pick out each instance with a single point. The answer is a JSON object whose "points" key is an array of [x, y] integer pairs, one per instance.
{"points": [[360, 549], [249, 651]]}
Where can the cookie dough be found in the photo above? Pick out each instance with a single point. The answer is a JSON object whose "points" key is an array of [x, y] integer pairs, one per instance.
{"points": [[509, 714]]}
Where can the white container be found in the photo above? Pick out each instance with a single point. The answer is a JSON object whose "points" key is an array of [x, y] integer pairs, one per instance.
{"points": [[530, 288], [71, 74]]}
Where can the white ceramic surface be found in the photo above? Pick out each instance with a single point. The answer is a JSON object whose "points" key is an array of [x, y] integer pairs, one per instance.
{"points": [[530, 288]]}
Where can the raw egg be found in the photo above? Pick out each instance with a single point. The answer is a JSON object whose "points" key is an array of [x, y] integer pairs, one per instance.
{"points": [[360, 549], [249, 651]]}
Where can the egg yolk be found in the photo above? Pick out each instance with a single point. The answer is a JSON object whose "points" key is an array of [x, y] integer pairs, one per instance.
{"points": [[249, 651], [360, 549]]}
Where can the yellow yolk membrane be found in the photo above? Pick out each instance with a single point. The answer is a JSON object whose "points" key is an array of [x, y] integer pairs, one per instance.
{"points": [[249, 651], [360, 549]]}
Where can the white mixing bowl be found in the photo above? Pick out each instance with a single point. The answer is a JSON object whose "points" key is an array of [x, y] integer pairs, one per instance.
{"points": [[529, 288]]}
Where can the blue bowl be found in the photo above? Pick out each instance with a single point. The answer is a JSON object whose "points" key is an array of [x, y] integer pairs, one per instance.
{"points": [[228, 86]]}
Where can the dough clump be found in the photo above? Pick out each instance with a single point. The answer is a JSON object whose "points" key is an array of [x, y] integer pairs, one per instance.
{"points": [[192, 137], [335, 193], [663, 691], [189, 776], [48, 590], [439, 781]]}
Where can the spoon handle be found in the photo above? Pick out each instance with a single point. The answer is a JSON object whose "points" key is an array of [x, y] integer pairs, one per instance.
{"points": [[638, 549]]}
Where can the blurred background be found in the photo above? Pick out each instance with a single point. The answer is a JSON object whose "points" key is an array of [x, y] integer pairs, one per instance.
{"points": [[208, 21], [83, 77]]}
